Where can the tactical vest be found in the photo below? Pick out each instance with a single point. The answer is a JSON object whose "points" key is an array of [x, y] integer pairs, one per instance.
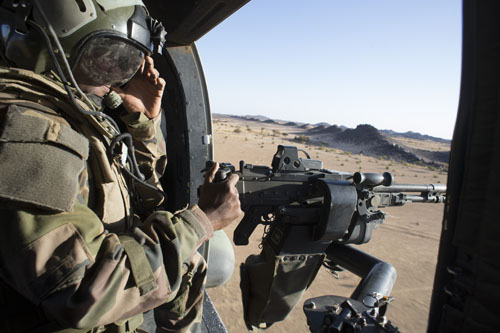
{"points": [[111, 202], [27, 89]]}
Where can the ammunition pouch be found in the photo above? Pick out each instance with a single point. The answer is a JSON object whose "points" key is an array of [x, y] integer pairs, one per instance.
{"points": [[273, 284]]}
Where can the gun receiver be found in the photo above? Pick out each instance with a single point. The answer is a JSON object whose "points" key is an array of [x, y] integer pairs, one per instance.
{"points": [[340, 207]]}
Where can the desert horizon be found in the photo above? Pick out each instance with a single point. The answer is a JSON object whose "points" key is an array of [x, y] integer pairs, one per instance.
{"points": [[257, 117]]}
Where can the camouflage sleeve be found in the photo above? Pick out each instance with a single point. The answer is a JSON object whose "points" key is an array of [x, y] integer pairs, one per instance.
{"points": [[150, 149], [84, 277]]}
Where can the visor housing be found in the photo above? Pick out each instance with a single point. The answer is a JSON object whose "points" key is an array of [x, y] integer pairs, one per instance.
{"points": [[107, 60]]}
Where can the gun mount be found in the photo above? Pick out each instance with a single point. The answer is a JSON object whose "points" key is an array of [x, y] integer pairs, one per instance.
{"points": [[310, 213]]}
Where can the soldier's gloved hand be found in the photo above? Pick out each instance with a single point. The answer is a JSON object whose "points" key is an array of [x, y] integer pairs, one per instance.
{"points": [[220, 201], [144, 91]]}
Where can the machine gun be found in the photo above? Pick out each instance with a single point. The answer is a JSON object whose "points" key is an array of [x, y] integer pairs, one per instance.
{"points": [[310, 215]]}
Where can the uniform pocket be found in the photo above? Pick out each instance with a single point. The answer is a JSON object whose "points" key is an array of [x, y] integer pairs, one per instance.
{"points": [[41, 161]]}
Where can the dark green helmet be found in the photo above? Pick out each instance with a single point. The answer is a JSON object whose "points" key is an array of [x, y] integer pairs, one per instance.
{"points": [[104, 41]]}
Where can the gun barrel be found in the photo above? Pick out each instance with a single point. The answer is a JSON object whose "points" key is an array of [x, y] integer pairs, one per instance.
{"points": [[411, 188]]}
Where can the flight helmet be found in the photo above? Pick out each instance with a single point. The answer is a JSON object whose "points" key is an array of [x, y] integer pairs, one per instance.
{"points": [[104, 41]]}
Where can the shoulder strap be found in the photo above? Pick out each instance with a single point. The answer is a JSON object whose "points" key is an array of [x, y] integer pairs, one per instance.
{"points": [[19, 85]]}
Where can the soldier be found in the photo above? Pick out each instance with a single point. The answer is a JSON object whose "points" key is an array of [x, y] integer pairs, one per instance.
{"points": [[83, 244]]}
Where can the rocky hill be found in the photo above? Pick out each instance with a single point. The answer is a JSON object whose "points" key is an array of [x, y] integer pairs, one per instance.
{"points": [[364, 139], [325, 129], [414, 135], [361, 135]]}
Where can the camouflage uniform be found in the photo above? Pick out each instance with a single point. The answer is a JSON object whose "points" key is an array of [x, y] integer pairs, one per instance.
{"points": [[73, 252]]}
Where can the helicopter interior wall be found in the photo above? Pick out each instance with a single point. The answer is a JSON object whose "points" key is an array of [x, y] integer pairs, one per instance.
{"points": [[187, 127], [466, 287], [187, 21], [187, 124]]}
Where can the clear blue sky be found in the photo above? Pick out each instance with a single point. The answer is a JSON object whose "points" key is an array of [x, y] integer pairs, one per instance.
{"points": [[394, 64]]}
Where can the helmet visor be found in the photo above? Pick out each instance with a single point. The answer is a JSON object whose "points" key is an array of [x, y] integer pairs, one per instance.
{"points": [[107, 61]]}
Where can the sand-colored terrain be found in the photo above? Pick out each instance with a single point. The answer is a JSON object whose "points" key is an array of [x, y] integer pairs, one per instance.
{"points": [[408, 239]]}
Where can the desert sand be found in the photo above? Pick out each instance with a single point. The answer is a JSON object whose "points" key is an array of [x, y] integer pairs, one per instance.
{"points": [[408, 239]]}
